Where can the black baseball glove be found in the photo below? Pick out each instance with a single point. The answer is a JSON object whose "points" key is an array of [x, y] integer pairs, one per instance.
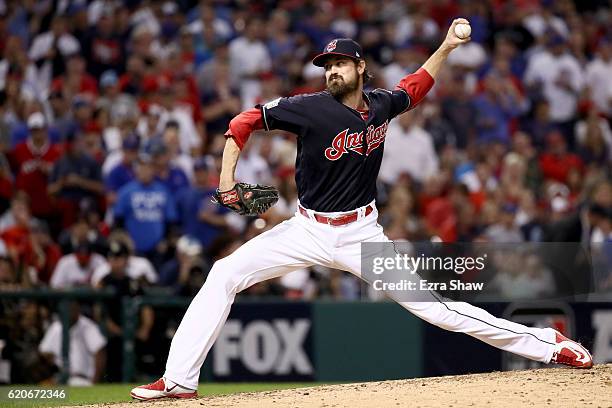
{"points": [[247, 199]]}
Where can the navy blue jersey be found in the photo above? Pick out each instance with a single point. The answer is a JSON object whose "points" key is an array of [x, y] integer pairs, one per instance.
{"points": [[338, 153]]}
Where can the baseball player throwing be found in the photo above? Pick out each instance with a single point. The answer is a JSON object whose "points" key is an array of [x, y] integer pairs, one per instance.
{"points": [[340, 137]]}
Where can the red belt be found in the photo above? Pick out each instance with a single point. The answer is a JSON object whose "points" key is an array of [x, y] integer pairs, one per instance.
{"points": [[338, 220]]}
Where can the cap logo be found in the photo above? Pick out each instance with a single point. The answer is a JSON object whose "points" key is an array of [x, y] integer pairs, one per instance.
{"points": [[357, 55], [331, 46]]}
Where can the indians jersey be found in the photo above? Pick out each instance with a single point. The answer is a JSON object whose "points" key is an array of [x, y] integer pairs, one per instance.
{"points": [[31, 175], [339, 149]]}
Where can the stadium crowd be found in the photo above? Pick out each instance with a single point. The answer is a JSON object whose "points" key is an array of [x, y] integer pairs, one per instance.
{"points": [[112, 115]]}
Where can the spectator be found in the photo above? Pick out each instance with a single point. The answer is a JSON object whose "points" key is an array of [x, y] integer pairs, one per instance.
{"points": [[399, 219], [529, 280], [103, 46], [111, 95], [74, 177], [178, 159], [317, 27], [49, 49], [512, 178], [184, 85], [249, 58], [416, 26], [559, 77], [209, 21], [143, 42], [190, 139], [92, 143], [460, 112], [199, 217], [121, 127], [131, 82], [529, 218], [87, 354], [440, 129], [13, 60], [26, 324], [253, 166], [221, 102], [123, 284], [171, 176], [406, 59], [186, 272], [17, 243], [9, 279], [542, 20], [138, 268], [280, 42], [497, 105], [32, 162], [538, 125], [61, 116], [45, 253], [84, 229], [169, 29], [75, 80], [122, 173], [76, 269], [149, 125], [594, 138], [598, 78], [469, 58], [20, 203], [146, 209], [408, 149], [504, 230], [522, 145], [556, 162], [82, 110]]}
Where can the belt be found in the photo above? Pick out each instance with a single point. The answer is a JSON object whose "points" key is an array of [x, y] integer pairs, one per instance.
{"points": [[338, 220]]}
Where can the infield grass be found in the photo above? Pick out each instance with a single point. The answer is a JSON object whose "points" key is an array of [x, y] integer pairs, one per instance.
{"points": [[109, 393]]}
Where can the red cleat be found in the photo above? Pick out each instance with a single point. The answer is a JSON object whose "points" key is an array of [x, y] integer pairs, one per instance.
{"points": [[571, 353], [162, 389]]}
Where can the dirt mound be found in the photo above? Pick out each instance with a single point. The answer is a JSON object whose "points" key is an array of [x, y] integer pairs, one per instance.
{"points": [[551, 387]]}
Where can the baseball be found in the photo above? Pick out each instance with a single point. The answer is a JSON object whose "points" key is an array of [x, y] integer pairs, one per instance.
{"points": [[463, 30]]}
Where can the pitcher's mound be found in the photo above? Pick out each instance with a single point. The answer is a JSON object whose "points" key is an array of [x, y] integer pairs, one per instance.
{"points": [[550, 387]]}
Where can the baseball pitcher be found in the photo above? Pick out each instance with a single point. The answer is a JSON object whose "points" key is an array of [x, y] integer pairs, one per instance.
{"points": [[340, 137]]}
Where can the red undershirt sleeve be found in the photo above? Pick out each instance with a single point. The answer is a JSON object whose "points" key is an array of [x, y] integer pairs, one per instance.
{"points": [[243, 124], [416, 86]]}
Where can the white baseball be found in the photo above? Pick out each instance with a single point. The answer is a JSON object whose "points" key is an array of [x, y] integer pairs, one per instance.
{"points": [[463, 30]]}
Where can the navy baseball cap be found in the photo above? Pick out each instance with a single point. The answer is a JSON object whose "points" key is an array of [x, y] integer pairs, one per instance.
{"points": [[342, 47], [131, 142], [157, 148]]}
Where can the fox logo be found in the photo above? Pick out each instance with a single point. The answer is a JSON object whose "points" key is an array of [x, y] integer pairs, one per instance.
{"points": [[331, 46], [344, 142]]}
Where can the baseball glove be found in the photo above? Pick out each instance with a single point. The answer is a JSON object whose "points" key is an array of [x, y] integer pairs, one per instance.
{"points": [[247, 199]]}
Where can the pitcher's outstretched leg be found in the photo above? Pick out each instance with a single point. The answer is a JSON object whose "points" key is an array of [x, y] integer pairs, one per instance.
{"points": [[274, 253]]}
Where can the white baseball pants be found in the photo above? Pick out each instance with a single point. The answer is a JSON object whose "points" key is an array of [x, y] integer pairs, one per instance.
{"points": [[301, 242]]}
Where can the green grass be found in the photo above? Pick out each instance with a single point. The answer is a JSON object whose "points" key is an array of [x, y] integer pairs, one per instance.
{"points": [[109, 393]]}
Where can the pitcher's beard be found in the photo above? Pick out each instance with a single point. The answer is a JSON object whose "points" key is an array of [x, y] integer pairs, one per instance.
{"points": [[340, 89]]}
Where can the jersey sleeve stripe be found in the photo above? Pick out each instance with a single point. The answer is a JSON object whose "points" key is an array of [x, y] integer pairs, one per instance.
{"points": [[409, 105], [265, 120]]}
